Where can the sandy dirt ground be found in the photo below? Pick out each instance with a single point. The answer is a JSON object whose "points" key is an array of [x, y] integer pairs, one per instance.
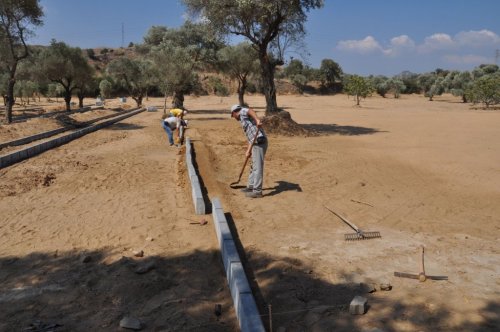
{"points": [[421, 173]]}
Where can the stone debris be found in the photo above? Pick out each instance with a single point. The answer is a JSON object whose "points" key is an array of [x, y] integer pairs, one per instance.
{"points": [[385, 287], [138, 253], [358, 306], [86, 258], [131, 323], [145, 267]]}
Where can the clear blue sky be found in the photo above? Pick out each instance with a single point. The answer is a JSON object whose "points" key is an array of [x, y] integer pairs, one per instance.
{"points": [[364, 36]]}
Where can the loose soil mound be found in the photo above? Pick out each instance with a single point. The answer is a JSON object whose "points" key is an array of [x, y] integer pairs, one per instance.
{"points": [[282, 123]]}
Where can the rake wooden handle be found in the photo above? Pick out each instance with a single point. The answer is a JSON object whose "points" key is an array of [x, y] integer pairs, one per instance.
{"points": [[344, 220]]}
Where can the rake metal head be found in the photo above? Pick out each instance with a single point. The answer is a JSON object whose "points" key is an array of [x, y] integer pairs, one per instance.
{"points": [[362, 236]]}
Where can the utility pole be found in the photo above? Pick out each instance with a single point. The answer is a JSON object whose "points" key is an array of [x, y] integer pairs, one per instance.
{"points": [[497, 56], [123, 34]]}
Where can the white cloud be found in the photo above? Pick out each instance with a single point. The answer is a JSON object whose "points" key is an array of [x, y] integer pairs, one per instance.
{"points": [[453, 50], [402, 41], [367, 45], [477, 38], [399, 45], [436, 42]]}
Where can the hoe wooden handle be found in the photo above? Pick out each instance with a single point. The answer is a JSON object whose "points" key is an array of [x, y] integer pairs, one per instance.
{"points": [[421, 276], [248, 157]]}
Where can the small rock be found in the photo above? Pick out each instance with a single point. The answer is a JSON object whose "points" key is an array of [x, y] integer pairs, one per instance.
{"points": [[131, 323], [203, 222], [358, 306], [138, 253], [86, 259], [385, 287], [367, 288], [146, 267], [150, 239]]}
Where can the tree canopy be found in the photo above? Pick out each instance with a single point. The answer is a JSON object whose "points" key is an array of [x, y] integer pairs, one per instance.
{"points": [[16, 18], [261, 22], [60, 63]]}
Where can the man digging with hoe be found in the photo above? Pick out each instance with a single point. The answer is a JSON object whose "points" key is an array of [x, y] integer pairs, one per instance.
{"points": [[257, 147]]}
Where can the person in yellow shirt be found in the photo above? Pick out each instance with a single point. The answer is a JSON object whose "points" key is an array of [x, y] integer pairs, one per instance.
{"points": [[177, 112]]}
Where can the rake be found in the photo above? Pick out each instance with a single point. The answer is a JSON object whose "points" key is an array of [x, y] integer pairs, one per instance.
{"points": [[359, 235]]}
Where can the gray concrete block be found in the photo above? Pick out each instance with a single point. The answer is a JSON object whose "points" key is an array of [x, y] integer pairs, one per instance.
{"points": [[192, 172], [229, 255], [358, 306], [218, 215], [223, 232], [238, 283], [216, 204], [248, 314], [23, 154], [199, 203], [30, 151]]}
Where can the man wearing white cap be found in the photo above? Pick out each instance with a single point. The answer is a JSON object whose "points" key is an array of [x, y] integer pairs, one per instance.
{"points": [[252, 126]]}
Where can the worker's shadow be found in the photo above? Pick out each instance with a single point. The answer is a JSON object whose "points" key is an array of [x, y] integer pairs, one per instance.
{"points": [[283, 186]]}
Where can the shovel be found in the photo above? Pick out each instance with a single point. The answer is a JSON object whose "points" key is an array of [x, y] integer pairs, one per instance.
{"points": [[232, 185]]}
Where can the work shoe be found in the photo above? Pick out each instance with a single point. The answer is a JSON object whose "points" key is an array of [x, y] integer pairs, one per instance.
{"points": [[247, 190], [253, 194]]}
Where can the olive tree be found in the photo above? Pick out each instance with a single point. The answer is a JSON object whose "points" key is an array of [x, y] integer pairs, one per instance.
{"points": [[458, 83], [262, 23], [105, 88], [358, 86], [133, 75], [60, 63], [16, 18], [486, 90], [330, 73], [239, 63], [180, 54]]}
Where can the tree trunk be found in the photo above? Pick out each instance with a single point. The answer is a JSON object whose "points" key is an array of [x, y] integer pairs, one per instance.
{"points": [[10, 95], [242, 86], [178, 100], [138, 100], [67, 99], [165, 104], [267, 71], [80, 100]]}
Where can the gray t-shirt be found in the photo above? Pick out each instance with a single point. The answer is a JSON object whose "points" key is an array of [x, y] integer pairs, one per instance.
{"points": [[248, 125]]}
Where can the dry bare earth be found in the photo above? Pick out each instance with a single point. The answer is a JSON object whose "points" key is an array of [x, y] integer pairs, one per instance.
{"points": [[419, 172]]}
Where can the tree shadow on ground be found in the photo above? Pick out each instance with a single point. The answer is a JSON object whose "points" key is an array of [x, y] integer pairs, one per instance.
{"points": [[62, 291], [71, 291], [333, 129]]}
